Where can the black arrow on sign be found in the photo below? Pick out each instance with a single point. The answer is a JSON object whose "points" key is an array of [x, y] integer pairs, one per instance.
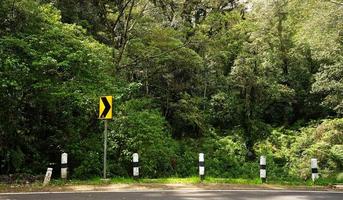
{"points": [[107, 107]]}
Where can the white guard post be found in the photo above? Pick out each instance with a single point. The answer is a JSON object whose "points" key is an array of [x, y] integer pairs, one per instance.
{"points": [[135, 163], [314, 168], [202, 166], [64, 165], [47, 176], [263, 173]]}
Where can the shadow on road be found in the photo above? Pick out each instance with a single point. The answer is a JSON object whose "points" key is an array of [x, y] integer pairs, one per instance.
{"points": [[179, 195]]}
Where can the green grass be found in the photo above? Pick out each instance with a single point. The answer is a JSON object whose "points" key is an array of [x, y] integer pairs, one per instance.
{"points": [[121, 180], [309, 182], [233, 181], [172, 180]]}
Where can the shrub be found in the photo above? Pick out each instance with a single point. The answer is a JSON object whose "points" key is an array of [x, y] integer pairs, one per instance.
{"points": [[224, 156], [322, 142], [289, 152], [139, 128]]}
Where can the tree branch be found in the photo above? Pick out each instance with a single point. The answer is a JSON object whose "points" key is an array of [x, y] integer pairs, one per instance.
{"points": [[134, 62], [335, 2], [123, 41]]}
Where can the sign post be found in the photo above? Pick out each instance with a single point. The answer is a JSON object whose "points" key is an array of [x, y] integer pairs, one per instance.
{"points": [[105, 112], [105, 149]]}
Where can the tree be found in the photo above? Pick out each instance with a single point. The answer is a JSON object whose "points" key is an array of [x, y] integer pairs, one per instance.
{"points": [[255, 88], [50, 73], [329, 83], [165, 66], [325, 41]]}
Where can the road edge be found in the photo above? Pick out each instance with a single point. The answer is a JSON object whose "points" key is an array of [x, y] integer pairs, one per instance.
{"points": [[161, 187]]}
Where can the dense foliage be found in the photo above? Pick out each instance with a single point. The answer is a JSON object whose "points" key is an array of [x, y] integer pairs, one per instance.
{"points": [[233, 79]]}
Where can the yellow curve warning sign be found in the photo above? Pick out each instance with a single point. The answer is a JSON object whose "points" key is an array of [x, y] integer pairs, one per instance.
{"points": [[105, 107]]}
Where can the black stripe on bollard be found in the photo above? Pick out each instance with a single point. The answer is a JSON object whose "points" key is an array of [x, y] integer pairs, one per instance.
{"points": [[64, 165], [135, 164], [201, 164], [262, 166], [314, 170]]}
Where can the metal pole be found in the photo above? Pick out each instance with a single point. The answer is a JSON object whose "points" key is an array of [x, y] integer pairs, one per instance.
{"points": [[105, 148]]}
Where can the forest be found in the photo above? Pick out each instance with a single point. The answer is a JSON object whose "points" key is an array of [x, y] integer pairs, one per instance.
{"points": [[234, 79]]}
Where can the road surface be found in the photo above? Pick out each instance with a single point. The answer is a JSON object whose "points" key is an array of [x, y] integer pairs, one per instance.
{"points": [[179, 195]]}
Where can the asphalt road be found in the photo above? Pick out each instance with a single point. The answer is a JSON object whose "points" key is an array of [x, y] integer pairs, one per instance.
{"points": [[179, 195]]}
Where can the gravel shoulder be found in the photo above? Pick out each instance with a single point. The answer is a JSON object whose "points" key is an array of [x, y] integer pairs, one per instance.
{"points": [[157, 186]]}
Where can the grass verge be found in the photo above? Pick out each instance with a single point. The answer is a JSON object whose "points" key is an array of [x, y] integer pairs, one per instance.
{"points": [[195, 180]]}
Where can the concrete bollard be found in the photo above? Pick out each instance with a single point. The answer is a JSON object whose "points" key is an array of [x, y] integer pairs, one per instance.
{"points": [[47, 176], [135, 163], [314, 168], [202, 166], [64, 165], [263, 170]]}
